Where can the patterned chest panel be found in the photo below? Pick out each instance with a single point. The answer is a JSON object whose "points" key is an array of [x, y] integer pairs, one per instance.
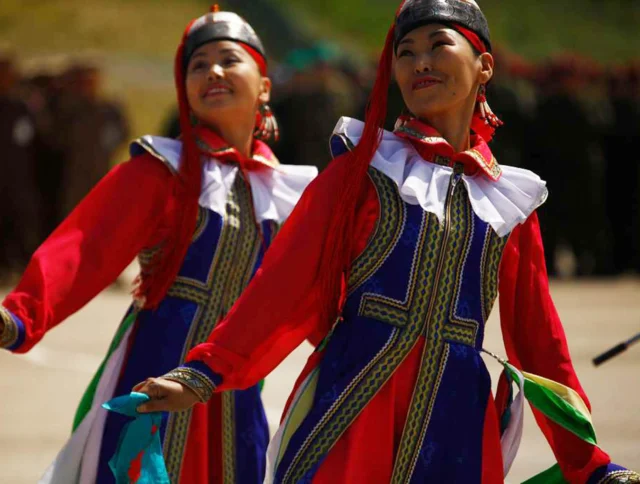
{"points": [[420, 277], [224, 254], [415, 265]]}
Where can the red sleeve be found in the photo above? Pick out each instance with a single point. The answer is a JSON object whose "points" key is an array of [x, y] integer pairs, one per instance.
{"points": [[281, 306], [536, 343], [91, 247]]}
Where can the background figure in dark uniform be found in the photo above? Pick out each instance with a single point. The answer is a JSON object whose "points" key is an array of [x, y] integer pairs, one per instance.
{"points": [[509, 104], [574, 214], [308, 106], [623, 167], [90, 128], [41, 93], [171, 125], [18, 202]]}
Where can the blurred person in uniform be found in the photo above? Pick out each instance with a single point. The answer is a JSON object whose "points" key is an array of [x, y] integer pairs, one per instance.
{"points": [[315, 96], [634, 79], [508, 103], [41, 92], [171, 124], [564, 150], [360, 79], [18, 203], [594, 99], [622, 172], [91, 130]]}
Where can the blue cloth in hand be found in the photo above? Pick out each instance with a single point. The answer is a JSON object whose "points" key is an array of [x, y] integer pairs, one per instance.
{"points": [[138, 458]]}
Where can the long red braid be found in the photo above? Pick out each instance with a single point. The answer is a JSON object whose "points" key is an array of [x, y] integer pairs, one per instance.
{"points": [[338, 246], [165, 266]]}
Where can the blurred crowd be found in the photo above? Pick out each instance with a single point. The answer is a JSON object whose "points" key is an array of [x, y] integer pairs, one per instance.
{"points": [[57, 136], [571, 120]]}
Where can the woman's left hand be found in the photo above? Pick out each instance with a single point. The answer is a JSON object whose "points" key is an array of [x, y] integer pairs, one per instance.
{"points": [[166, 396]]}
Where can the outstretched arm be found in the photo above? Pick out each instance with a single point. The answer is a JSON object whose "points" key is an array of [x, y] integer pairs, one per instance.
{"points": [[87, 251], [279, 309], [535, 342]]}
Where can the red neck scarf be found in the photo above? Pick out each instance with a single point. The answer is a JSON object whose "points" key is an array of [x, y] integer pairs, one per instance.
{"points": [[212, 144], [434, 148]]}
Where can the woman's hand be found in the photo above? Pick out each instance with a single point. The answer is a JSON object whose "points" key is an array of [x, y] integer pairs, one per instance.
{"points": [[166, 396]]}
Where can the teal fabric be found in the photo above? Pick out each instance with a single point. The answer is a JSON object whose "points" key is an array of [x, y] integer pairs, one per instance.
{"points": [[138, 458]]}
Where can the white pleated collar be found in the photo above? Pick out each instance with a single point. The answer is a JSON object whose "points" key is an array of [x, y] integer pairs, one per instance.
{"points": [[503, 204], [275, 191]]}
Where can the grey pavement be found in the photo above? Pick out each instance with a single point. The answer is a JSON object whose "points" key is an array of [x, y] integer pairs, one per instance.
{"points": [[39, 391]]}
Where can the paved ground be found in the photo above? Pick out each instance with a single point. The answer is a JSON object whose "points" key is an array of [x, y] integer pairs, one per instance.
{"points": [[39, 391]]}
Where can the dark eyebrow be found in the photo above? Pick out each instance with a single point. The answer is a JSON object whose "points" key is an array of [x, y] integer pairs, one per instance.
{"points": [[409, 40], [438, 32], [228, 50], [198, 54]]}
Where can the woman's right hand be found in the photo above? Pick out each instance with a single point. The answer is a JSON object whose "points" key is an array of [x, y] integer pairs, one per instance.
{"points": [[166, 396]]}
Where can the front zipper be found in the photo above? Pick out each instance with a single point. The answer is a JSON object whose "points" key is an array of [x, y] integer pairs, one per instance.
{"points": [[455, 178]]}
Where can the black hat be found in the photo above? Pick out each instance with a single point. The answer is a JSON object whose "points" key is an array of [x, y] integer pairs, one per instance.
{"points": [[415, 13], [220, 26]]}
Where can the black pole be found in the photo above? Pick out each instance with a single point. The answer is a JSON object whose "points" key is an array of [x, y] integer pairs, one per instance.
{"points": [[616, 350]]}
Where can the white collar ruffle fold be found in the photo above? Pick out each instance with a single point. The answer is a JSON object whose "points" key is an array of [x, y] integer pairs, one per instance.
{"points": [[503, 204], [275, 191]]}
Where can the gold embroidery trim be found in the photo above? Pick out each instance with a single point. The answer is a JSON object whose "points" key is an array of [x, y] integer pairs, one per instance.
{"points": [[229, 441], [10, 333], [418, 135], [490, 268], [620, 476], [145, 145], [195, 380], [492, 168], [236, 253], [434, 316], [386, 234]]}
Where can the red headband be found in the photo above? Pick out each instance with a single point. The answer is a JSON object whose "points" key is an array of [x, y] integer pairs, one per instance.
{"points": [[472, 37], [261, 61]]}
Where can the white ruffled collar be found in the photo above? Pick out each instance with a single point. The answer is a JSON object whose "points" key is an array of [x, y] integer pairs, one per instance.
{"points": [[503, 204], [275, 191]]}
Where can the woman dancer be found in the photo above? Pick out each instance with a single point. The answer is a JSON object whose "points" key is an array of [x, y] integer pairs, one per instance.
{"points": [[392, 259], [199, 212]]}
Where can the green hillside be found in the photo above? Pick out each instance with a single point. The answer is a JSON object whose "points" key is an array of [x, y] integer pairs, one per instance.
{"points": [[134, 40], [607, 30]]}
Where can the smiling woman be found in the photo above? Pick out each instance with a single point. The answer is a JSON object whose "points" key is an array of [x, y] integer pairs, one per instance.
{"points": [[224, 81], [438, 71], [200, 213], [404, 242]]}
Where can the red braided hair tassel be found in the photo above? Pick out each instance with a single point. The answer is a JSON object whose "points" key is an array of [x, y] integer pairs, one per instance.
{"points": [[165, 266], [337, 248]]}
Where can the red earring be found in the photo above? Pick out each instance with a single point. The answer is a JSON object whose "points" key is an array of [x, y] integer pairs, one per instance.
{"points": [[266, 125], [486, 114]]}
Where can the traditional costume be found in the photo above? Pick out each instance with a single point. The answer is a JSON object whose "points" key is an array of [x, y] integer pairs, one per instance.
{"points": [[212, 213], [397, 390]]}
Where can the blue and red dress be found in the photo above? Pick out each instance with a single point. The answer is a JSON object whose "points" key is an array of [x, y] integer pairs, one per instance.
{"points": [[242, 205], [396, 390]]}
